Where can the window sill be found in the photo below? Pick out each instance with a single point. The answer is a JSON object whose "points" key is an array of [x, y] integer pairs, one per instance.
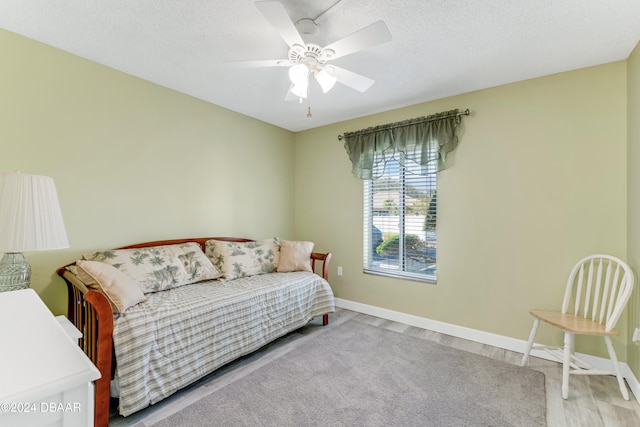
{"points": [[403, 276]]}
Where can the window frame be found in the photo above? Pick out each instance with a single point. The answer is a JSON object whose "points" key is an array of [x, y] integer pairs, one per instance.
{"points": [[368, 217]]}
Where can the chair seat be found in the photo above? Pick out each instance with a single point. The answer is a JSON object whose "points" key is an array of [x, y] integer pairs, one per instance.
{"points": [[572, 323]]}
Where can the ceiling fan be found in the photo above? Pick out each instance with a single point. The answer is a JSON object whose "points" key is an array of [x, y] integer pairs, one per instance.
{"points": [[308, 59]]}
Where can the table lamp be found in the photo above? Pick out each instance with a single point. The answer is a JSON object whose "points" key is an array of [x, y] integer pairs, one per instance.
{"points": [[30, 220]]}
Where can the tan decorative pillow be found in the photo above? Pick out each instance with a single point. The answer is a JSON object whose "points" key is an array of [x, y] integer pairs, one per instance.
{"points": [[242, 259], [295, 256], [117, 286]]}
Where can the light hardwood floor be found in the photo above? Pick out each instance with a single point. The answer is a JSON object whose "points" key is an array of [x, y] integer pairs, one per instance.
{"points": [[594, 401]]}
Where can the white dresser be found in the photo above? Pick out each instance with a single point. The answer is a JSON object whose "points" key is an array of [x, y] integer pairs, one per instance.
{"points": [[45, 378]]}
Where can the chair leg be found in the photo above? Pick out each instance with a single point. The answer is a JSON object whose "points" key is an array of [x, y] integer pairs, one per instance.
{"points": [[566, 363], [532, 336], [616, 368]]}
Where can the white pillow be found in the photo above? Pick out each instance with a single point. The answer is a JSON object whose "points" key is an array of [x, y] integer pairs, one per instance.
{"points": [[121, 291]]}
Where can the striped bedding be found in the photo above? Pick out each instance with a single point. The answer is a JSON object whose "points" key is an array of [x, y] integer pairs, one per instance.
{"points": [[180, 335]]}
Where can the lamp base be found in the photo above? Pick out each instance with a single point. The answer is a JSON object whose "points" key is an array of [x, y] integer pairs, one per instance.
{"points": [[15, 272]]}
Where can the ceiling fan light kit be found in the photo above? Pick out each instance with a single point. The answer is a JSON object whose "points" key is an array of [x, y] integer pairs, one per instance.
{"points": [[308, 59]]}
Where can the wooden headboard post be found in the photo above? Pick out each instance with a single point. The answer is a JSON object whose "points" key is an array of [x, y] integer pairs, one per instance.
{"points": [[91, 313]]}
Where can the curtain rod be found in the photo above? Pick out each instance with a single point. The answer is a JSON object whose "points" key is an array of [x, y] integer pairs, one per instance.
{"points": [[461, 113]]}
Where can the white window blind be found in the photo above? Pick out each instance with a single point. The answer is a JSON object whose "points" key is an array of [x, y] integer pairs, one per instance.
{"points": [[400, 223]]}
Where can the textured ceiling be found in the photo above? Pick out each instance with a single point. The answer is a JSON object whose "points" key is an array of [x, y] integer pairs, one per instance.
{"points": [[439, 48]]}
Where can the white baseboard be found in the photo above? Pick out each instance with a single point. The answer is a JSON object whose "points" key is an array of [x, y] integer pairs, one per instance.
{"points": [[482, 337]]}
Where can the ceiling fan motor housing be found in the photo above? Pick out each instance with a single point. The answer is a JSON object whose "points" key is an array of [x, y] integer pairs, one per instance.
{"points": [[310, 54]]}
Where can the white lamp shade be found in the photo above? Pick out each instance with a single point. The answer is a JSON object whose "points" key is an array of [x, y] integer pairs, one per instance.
{"points": [[298, 73], [299, 76], [300, 90], [325, 79], [30, 214]]}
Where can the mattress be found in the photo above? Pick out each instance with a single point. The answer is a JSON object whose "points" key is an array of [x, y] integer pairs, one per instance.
{"points": [[180, 335]]}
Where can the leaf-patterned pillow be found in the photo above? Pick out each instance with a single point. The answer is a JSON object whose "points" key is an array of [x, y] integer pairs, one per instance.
{"points": [[241, 259], [159, 268], [195, 262]]}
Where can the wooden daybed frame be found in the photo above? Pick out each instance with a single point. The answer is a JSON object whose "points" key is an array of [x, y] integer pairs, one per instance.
{"points": [[90, 311]]}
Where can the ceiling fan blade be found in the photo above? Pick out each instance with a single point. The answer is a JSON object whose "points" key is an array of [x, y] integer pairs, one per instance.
{"points": [[261, 63], [372, 35], [351, 79], [277, 16]]}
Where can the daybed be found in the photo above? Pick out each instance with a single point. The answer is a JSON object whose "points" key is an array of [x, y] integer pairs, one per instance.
{"points": [[170, 312]]}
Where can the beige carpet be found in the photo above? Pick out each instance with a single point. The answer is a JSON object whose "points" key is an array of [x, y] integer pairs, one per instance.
{"points": [[361, 375]]}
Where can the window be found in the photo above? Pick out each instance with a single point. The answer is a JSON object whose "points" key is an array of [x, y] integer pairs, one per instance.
{"points": [[400, 223], [399, 162]]}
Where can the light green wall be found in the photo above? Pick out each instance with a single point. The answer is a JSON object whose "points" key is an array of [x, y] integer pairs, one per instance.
{"points": [[133, 161], [633, 192], [539, 181]]}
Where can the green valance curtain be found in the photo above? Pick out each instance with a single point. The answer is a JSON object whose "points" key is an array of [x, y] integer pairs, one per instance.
{"points": [[424, 141]]}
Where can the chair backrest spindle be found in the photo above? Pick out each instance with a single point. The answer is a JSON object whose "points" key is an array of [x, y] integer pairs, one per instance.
{"points": [[614, 291], [587, 296], [567, 292], [596, 295]]}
